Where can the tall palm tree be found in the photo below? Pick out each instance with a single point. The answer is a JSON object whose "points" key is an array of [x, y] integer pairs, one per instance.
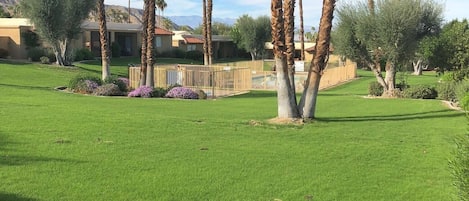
{"points": [[161, 5], [209, 31], [371, 6], [309, 98], [302, 30], [286, 103], [204, 31], [289, 23], [150, 47], [103, 37], [143, 61]]}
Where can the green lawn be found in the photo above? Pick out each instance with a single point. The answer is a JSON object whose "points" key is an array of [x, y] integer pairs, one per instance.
{"points": [[61, 146]]}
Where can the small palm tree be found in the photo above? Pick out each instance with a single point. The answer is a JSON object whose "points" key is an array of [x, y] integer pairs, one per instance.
{"points": [[103, 36]]}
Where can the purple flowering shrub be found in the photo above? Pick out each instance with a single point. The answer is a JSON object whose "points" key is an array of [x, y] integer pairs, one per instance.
{"points": [[108, 90], [182, 92], [142, 91], [86, 86]]}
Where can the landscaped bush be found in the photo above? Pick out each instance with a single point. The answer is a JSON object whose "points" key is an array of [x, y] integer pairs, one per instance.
{"points": [[45, 60], [201, 93], [375, 89], [461, 89], [447, 77], [84, 83], [421, 92], [35, 54], [83, 54], [159, 92], [172, 86], [3, 53], [142, 91], [182, 92], [120, 82], [108, 90], [178, 53], [446, 91]]}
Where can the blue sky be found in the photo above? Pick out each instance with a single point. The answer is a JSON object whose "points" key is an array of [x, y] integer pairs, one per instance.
{"points": [[235, 8]]}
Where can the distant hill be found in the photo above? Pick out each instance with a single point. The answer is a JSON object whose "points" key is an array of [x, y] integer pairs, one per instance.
{"points": [[136, 15]]}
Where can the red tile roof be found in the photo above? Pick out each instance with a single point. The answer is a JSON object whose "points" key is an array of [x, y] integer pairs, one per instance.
{"points": [[192, 40], [161, 31]]}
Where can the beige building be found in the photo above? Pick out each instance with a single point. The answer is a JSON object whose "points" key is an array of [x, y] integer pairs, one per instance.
{"points": [[10, 36], [127, 36]]}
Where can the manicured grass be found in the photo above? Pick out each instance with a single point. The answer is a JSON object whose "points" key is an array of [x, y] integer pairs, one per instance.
{"points": [[61, 146]]}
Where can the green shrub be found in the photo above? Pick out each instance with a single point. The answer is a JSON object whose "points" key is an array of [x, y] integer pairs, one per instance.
{"points": [[421, 92], [195, 55], [375, 89], [35, 54], [447, 77], [158, 92], [115, 50], [108, 90], [45, 60], [123, 87], [50, 54], [3, 53], [78, 84], [464, 102], [446, 91], [460, 166], [461, 89], [83, 54], [201, 93]]}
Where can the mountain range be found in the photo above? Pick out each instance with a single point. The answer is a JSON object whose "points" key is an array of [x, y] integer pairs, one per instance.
{"points": [[136, 15]]}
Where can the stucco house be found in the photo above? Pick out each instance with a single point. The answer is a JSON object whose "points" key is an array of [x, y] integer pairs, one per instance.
{"points": [[223, 46], [128, 36]]}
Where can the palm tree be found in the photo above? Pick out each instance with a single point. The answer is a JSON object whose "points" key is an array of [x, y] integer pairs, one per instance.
{"points": [[286, 104], [309, 97], [143, 66], [209, 31], [150, 38], [161, 5], [103, 36], [289, 23], [302, 30], [204, 31]]}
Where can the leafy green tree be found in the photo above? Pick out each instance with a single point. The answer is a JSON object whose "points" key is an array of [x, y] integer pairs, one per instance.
{"points": [[455, 37], [387, 32], [4, 14], [58, 22], [251, 34]]}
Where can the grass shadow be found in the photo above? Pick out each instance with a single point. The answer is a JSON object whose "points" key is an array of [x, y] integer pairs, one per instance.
{"points": [[398, 117], [14, 197], [8, 156], [27, 87], [257, 94], [13, 62]]}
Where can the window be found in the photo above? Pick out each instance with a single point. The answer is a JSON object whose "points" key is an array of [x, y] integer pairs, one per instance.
{"points": [[158, 41], [191, 47]]}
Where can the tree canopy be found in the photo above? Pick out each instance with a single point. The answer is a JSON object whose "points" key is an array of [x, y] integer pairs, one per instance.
{"points": [[251, 34], [58, 22], [387, 32]]}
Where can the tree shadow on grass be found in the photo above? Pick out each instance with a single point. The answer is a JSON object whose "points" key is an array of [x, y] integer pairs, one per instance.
{"points": [[397, 117], [9, 155], [14, 197], [27, 87], [257, 94]]}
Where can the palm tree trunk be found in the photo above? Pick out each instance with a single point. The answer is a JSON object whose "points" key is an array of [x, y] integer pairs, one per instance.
{"points": [[143, 66], [209, 31], [150, 38], [286, 104], [302, 30], [204, 31], [289, 23], [309, 97], [103, 36]]}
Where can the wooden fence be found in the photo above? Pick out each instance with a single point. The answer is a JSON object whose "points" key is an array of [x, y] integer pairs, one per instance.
{"points": [[267, 80], [214, 80]]}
